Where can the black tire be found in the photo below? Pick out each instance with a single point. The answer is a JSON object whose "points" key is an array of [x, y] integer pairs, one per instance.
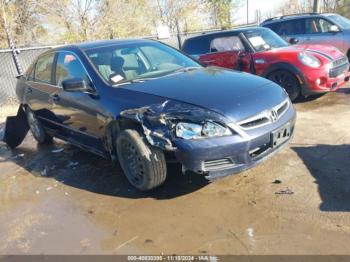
{"points": [[288, 81], [143, 165], [37, 129]]}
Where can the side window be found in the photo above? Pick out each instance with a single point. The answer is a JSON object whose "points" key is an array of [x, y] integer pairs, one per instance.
{"points": [[30, 73], [292, 27], [43, 68], [274, 27], [317, 25], [69, 66], [196, 46], [223, 44]]}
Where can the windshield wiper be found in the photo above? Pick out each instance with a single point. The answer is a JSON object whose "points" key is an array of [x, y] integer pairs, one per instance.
{"points": [[186, 69]]}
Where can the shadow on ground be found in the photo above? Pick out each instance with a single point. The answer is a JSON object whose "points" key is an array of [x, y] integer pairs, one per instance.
{"points": [[330, 166], [86, 171]]}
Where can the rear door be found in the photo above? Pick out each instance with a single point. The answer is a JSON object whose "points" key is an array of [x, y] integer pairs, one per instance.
{"points": [[39, 86], [224, 52]]}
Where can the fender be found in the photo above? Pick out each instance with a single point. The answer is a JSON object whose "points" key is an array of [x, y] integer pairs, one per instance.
{"points": [[291, 68]]}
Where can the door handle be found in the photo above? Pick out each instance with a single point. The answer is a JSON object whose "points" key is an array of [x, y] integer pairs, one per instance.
{"points": [[56, 98], [209, 61]]}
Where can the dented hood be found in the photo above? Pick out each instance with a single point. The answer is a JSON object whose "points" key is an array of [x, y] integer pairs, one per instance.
{"points": [[235, 95]]}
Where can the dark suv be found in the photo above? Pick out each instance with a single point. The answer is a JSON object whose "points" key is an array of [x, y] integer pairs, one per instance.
{"points": [[313, 28]]}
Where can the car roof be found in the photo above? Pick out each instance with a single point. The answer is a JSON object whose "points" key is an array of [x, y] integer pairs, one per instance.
{"points": [[279, 19], [224, 33], [104, 43]]}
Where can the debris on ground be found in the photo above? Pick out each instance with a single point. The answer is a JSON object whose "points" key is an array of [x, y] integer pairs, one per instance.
{"points": [[277, 181], [57, 150], [17, 156], [37, 192], [45, 172], [286, 191], [49, 188], [148, 241], [85, 242], [72, 164]]}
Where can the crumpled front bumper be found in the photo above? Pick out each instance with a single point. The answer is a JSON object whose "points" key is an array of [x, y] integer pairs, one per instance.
{"points": [[223, 156]]}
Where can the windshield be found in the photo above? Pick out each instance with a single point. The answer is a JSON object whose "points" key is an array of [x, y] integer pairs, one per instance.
{"points": [[264, 39], [119, 64], [341, 21]]}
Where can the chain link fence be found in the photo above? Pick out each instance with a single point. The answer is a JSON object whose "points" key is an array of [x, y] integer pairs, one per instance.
{"points": [[26, 57], [8, 71]]}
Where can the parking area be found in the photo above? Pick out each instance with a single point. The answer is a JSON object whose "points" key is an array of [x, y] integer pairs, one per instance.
{"points": [[58, 199]]}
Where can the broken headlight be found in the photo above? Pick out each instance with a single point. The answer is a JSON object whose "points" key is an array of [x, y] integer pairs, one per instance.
{"points": [[195, 131]]}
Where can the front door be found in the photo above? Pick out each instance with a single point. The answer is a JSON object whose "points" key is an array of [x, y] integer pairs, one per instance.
{"points": [[76, 112], [317, 31], [227, 52]]}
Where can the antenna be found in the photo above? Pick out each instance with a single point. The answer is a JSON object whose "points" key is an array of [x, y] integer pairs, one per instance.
{"points": [[11, 44]]}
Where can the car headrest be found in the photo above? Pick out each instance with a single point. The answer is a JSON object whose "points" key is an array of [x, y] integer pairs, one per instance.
{"points": [[117, 63], [101, 59]]}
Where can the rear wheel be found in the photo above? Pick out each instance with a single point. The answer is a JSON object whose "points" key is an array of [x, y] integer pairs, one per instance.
{"points": [[36, 128], [288, 81], [143, 165]]}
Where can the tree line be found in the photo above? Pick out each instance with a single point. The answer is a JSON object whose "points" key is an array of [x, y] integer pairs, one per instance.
{"points": [[34, 22], [38, 22]]}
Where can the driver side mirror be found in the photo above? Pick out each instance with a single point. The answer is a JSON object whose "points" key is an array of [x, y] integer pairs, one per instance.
{"points": [[333, 29], [76, 85], [293, 40]]}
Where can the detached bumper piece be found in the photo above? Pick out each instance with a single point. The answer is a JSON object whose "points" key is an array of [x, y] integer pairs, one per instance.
{"points": [[15, 129]]}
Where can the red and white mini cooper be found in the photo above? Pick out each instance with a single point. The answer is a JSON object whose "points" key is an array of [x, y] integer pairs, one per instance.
{"points": [[302, 70]]}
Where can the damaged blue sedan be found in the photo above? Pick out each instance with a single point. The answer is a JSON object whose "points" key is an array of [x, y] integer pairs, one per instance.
{"points": [[144, 103]]}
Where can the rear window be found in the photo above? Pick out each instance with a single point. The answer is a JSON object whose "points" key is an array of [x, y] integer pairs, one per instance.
{"points": [[43, 68], [274, 27], [223, 44], [196, 46]]}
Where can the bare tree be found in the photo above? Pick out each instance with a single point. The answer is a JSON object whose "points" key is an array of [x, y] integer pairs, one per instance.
{"points": [[23, 21], [186, 14], [124, 18], [221, 11]]}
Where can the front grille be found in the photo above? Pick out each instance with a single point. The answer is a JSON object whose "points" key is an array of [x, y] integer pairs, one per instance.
{"points": [[218, 164], [339, 66], [257, 122], [264, 117]]}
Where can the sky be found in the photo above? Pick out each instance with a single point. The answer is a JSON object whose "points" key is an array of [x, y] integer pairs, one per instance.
{"points": [[264, 6]]}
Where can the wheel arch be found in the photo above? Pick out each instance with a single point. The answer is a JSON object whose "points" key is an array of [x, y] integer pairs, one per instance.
{"points": [[290, 68], [112, 130]]}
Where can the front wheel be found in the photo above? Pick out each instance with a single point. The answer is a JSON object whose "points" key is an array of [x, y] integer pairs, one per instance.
{"points": [[143, 165], [288, 81]]}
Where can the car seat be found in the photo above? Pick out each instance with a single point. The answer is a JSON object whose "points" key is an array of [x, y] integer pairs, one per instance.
{"points": [[117, 64]]}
